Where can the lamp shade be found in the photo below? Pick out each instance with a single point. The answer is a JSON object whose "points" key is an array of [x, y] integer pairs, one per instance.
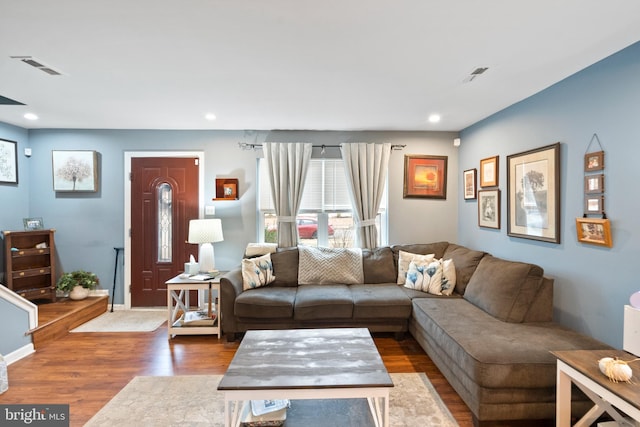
{"points": [[205, 230]]}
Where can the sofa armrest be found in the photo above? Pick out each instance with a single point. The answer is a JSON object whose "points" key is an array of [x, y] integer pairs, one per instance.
{"points": [[230, 288]]}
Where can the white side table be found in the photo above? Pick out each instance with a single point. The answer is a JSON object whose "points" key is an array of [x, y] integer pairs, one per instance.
{"points": [[580, 367], [178, 303]]}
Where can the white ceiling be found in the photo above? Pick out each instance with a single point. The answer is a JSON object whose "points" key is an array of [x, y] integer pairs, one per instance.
{"points": [[294, 64]]}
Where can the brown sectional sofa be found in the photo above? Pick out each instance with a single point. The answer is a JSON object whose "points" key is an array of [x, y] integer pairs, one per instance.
{"points": [[491, 339]]}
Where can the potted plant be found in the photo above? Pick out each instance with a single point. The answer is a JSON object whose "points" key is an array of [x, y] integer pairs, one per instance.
{"points": [[77, 283]]}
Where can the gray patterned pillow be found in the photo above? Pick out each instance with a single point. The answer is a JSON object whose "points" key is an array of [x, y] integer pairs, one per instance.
{"points": [[321, 266]]}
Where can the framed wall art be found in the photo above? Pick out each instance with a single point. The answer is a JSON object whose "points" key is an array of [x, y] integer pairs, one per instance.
{"points": [[594, 205], [469, 178], [594, 184], [75, 171], [32, 224], [425, 177], [489, 208], [489, 172], [594, 231], [533, 198], [594, 161], [8, 161]]}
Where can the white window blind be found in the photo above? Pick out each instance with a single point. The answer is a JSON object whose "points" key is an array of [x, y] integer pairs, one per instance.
{"points": [[325, 188]]}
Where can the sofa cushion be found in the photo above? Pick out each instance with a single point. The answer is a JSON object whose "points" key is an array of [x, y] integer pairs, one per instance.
{"points": [[378, 265], [267, 302], [329, 265], [493, 353], [504, 289], [285, 266], [466, 261], [317, 302], [257, 272], [380, 301]]}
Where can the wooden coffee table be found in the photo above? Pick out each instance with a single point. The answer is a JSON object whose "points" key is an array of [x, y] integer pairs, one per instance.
{"points": [[339, 363]]}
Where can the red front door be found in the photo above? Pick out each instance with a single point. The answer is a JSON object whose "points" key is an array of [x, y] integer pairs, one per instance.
{"points": [[164, 197]]}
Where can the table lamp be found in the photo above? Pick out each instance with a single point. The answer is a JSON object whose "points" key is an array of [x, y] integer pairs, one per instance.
{"points": [[205, 232]]}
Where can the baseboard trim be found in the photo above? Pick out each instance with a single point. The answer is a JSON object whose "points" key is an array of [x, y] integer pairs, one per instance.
{"points": [[20, 353]]}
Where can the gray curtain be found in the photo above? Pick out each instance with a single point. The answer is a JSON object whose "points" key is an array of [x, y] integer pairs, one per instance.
{"points": [[287, 164], [366, 167]]}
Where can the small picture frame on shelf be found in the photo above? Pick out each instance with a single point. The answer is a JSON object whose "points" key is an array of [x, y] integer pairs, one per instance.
{"points": [[594, 204], [226, 189], [594, 231], [594, 161], [470, 179], [32, 224], [594, 184]]}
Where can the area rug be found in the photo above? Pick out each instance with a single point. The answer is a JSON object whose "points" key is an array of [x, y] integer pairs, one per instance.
{"points": [[193, 400], [125, 321]]}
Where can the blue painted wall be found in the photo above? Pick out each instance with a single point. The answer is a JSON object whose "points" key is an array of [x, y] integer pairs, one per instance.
{"points": [[592, 284], [89, 225]]}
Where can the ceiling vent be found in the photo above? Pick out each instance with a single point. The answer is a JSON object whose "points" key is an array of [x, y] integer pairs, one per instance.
{"points": [[36, 63], [475, 73]]}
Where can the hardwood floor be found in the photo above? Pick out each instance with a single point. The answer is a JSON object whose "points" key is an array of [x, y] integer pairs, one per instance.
{"points": [[85, 370]]}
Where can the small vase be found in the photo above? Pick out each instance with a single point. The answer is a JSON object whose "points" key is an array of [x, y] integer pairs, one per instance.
{"points": [[78, 293]]}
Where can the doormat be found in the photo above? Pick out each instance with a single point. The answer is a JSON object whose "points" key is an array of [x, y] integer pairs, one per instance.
{"points": [[193, 400], [125, 321]]}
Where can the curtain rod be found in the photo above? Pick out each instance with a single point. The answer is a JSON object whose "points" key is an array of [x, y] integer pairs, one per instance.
{"points": [[247, 146]]}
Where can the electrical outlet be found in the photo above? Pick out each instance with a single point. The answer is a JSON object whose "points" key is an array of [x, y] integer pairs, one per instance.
{"points": [[209, 210]]}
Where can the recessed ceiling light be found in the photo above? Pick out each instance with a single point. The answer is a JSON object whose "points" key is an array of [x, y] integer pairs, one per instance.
{"points": [[30, 116], [434, 118], [210, 116]]}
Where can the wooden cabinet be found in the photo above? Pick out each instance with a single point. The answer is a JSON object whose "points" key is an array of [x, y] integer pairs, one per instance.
{"points": [[30, 263]]}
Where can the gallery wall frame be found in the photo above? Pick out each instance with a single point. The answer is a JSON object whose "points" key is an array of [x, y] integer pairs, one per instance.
{"points": [[8, 161], [425, 176], [594, 231], [489, 208], [489, 172], [594, 161], [533, 199], [594, 184], [594, 205], [469, 180]]}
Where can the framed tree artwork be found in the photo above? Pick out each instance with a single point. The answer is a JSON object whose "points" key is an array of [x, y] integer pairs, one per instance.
{"points": [[75, 171], [533, 198]]}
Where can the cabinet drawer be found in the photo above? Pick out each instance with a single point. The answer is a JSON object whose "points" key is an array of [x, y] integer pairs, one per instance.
{"points": [[29, 252], [37, 293], [31, 272]]}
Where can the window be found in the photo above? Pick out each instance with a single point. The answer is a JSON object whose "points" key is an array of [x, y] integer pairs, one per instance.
{"points": [[325, 217]]}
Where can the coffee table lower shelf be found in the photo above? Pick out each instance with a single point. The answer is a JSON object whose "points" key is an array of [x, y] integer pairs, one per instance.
{"points": [[377, 398]]}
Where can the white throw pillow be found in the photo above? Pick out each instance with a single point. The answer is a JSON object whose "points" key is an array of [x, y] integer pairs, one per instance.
{"points": [[414, 276], [405, 258], [432, 278], [257, 272], [448, 276]]}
